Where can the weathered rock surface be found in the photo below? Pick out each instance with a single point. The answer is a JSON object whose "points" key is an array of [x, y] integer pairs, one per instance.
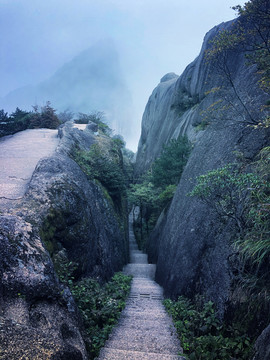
{"points": [[180, 105], [38, 317], [70, 216], [19, 156], [262, 345], [189, 244]]}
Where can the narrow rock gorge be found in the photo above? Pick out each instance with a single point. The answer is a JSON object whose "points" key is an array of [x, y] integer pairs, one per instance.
{"points": [[64, 217]]}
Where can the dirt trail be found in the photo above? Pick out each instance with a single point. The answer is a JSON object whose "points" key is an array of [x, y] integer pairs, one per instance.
{"points": [[145, 331], [19, 155]]}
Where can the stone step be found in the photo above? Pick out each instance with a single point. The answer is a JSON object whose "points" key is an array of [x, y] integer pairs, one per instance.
{"points": [[144, 283], [150, 327], [118, 354], [144, 315], [144, 307], [141, 270], [138, 258], [133, 247], [146, 294], [145, 331], [139, 341], [137, 251]]}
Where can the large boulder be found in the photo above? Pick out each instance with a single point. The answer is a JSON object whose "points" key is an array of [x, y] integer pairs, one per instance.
{"points": [[64, 218], [73, 213], [38, 317]]}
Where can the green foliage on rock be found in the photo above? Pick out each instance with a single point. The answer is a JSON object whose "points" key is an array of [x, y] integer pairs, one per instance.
{"points": [[244, 198], [158, 185], [248, 35], [203, 336], [156, 188], [106, 167], [256, 242], [99, 305], [256, 15], [227, 190], [167, 169], [97, 117], [144, 196]]}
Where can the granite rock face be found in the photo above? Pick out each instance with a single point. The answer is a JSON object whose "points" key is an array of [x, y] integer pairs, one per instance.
{"points": [[36, 311], [62, 214], [76, 217], [262, 345], [189, 244], [182, 105]]}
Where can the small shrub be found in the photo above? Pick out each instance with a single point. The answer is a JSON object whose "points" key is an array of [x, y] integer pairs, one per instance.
{"points": [[168, 167], [96, 117], [203, 336], [100, 307], [244, 199], [106, 169]]}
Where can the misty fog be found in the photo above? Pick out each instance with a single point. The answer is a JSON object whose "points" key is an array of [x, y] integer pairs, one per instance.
{"points": [[99, 55]]}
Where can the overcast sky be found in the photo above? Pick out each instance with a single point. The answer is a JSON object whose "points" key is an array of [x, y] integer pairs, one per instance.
{"points": [[153, 37]]}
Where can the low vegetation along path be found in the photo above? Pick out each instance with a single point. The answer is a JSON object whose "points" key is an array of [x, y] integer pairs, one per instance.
{"points": [[19, 155], [145, 331]]}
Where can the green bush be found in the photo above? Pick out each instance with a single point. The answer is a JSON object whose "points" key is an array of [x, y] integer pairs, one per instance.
{"points": [[21, 120], [244, 199], [156, 188], [168, 167], [228, 191], [100, 307], [96, 117], [45, 118], [203, 336], [104, 168], [17, 121]]}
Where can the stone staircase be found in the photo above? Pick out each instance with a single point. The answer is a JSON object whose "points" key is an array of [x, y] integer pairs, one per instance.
{"points": [[145, 331]]}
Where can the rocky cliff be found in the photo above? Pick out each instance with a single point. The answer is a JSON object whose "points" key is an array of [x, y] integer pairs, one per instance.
{"points": [[190, 246], [63, 218], [185, 104]]}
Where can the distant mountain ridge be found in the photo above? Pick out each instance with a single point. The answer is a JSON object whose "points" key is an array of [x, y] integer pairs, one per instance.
{"points": [[90, 81]]}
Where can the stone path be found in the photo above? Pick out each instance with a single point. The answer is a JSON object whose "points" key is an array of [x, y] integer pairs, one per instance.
{"points": [[145, 331], [19, 155]]}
